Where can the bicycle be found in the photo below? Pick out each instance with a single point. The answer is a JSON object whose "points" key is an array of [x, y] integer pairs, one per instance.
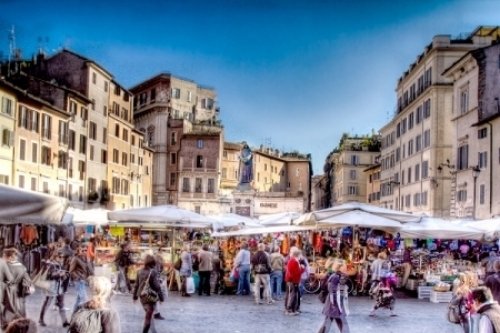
{"points": [[313, 285]]}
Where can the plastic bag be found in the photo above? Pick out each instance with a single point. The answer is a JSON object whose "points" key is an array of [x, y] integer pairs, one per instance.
{"points": [[190, 289]]}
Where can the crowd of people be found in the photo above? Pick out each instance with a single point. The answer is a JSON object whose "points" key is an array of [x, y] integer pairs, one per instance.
{"points": [[71, 264]]}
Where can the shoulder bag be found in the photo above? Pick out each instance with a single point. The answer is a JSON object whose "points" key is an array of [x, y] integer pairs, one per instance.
{"points": [[148, 294]]}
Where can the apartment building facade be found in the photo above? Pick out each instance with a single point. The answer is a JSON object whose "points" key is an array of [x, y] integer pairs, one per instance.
{"points": [[166, 108], [476, 120], [346, 168], [373, 183], [417, 144], [8, 107]]}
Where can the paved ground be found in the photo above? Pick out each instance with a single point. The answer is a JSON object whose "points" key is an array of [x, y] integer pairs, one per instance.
{"points": [[239, 314]]}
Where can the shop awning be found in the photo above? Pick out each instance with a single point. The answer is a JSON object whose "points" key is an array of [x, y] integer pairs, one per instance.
{"points": [[77, 216], [27, 207], [160, 217], [432, 227], [263, 230], [284, 218], [231, 220]]}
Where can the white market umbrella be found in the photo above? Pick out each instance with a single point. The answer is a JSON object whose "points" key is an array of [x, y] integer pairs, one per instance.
{"points": [[284, 218], [161, 216], [490, 227], [231, 220], [432, 227], [97, 216], [263, 230], [27, 207], [355, 218]]}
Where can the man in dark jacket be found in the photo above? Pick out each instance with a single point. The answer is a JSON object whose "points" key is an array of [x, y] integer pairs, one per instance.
{"points": [[123, 262], [262, 268], [493, 281], [80, 270], [5, 278]]}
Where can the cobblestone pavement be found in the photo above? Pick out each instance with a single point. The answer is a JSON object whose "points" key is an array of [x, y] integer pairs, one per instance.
{"points": [[239, 314]]}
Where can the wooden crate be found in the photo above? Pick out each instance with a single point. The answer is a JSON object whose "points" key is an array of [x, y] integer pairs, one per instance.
{"points": [[424, 292], [440, 297]]}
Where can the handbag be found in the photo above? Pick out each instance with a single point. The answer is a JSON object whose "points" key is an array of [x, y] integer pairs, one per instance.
{"points": [[453, 316], [148, 294], [190, 289], [178, 264], [40, 280]]}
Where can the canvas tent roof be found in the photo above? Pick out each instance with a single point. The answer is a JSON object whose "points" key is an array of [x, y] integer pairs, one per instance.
{"points": [[27, 207]]}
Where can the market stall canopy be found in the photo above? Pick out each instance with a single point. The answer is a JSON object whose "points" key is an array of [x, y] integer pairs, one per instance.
{"points": [[490, 227], [284, 218], [432, 227], [96, 216], [263, 230], [355, 218], [160, 217], [371, 210], [27, 207], [231, 220]]}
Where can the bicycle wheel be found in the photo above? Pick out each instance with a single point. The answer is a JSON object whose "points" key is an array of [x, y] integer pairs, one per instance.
{"points": [[312, 285], [350, 286]]}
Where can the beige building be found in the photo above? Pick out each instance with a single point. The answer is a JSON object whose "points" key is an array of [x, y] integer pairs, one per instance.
{"points": [[417, 144], [319, 199], [8, 107], [165, 108], [347, 163], [475, 119], [373, 183]]}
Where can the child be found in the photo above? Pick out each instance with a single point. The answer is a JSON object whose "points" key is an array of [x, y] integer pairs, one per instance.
{"points": [[384, 297]]}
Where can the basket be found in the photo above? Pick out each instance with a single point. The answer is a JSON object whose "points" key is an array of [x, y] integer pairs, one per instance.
{"points": [[442, 287]]}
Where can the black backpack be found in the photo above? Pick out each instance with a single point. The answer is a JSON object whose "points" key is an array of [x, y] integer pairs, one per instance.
{"points": [[85, 321]]}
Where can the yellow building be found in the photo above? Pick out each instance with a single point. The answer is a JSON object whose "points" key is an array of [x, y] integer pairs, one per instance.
{"points": [[8, 113]]}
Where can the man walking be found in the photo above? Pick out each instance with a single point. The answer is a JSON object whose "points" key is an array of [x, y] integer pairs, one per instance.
{"points": [[80, 270], [205, 269], [123, 262], [262, 268], [277, 265], [488, 309]]}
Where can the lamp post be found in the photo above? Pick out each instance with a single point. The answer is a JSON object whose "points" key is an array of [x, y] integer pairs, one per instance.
{"points": [[475, 174]]}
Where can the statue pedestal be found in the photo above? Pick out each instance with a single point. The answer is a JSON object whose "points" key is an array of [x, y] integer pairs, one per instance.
{"points": [[245, 187]]}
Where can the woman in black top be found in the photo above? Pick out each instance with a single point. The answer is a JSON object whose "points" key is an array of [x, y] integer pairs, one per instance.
{"points": [[150, 275]]}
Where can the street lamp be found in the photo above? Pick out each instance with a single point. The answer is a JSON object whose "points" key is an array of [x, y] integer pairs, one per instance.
{"points": [[475, 174]]}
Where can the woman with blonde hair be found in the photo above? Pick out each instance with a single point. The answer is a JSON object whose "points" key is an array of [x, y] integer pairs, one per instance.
{"points": [[462, 298], [95, 314]]}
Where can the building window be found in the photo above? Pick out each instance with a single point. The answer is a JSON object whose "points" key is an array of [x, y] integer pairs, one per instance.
{"points": [[199, 143], [352, 190], [117, 130], [6, 137], [409, 175], [464, 99], [124, 159], [173, 138], [34, 153], [46, 155], [185, 185], [416, 200], [33, 184], [199, 161], [94, 78], [410, 147], [462, 195], [83, 144], [172, 179], [352, 174], [354, 159], [418, 143], [419, 114], [93, 130], [411, 120], [125, 135], [423, 200], [21, 181], [46, 126], [483, 159], [7, 106], [63, 132], [403, 126], [124, 187], [427, 138], [173, 158], [176, 93], [116, 156], [106, 86], [104, 156], [211, 185], [417, 172], [115, 185], [425, 169], [427, 108], [463, 157], [197, 185], [482, 190], [72, 140], [104, 135], [482, 133], [62, 161]]}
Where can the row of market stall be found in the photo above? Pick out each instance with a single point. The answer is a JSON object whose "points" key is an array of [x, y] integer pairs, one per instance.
{"points": [[354, 232]]}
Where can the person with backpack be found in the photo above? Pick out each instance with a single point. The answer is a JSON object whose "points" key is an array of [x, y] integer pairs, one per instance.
{"points": [[333, 290], [262, 268], [56, 275], [95, 315], [80, 270], [16, 292], [148, 281], [488, 310]]}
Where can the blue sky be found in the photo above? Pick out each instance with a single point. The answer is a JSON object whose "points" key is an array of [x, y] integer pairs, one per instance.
{"points": [[292, 74]]}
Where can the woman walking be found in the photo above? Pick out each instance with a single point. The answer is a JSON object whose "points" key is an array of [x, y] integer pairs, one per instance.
{"points": [[186, 268], [148, 275], [462, 297], [335, 308], [95, 314], [14, 297], [56, 275]]}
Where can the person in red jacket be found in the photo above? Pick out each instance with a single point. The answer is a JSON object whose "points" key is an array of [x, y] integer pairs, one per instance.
{"points": [[292, 278]]}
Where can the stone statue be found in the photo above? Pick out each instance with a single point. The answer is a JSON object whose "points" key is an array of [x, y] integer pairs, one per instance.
{"points": [[246, 167]]}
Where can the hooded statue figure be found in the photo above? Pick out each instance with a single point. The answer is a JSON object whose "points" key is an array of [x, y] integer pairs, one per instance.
{"points": [[246, 172]]}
